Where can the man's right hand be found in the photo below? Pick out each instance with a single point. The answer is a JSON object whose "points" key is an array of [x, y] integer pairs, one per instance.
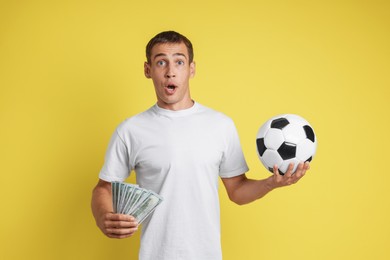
{"points": [[111, 224], [117, 225]]}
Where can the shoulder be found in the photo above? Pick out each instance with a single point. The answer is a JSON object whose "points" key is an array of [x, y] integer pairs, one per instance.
{"points": [[132, 123], [213, 113], [215, 116]]}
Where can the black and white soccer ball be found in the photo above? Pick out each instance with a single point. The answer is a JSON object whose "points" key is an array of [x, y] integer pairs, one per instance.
{"points": [[285, 139]]}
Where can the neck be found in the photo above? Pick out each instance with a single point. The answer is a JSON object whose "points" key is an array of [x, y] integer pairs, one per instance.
{"points": [[176, 106]]}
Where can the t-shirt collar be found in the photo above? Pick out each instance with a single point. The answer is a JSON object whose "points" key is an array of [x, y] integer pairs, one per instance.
{"points": [[176, 113]]}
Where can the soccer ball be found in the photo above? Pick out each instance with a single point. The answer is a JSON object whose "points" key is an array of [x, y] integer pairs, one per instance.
{"points": [[285, 139]]}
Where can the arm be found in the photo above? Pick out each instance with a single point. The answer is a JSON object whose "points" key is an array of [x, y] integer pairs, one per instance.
{"points": [[112, 225], [242, 190]]}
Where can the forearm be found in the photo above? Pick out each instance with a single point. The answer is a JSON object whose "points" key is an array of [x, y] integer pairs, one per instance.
{"points": [[248, 190], [242, 190], [101, 201]]}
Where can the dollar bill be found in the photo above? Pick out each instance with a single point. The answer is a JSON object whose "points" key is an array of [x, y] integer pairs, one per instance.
{"points": [[133, 200], [140, 196], [147, 207], [113, 192]]}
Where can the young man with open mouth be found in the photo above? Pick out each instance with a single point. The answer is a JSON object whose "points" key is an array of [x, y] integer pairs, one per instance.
{"points": [[179, 149]]}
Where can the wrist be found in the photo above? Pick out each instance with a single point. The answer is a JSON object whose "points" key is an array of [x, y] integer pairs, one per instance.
{"points": [[270, 184]]}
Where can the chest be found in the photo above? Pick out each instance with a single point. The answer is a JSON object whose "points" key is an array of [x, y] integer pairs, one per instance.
{"points": [[179, 144]]}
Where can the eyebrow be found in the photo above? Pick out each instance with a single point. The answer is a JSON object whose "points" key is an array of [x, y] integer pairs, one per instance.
{"points": [[163, 54]]}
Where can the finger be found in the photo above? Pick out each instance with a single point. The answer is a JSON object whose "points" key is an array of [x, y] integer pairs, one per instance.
{"points": [[299, 173], [299, 169], [307, 166], [119, 221], [118, 233], [119, 236], [120, 224], [289, 170], [119, 217], [303, 167], [121, 231], [276, 170]]}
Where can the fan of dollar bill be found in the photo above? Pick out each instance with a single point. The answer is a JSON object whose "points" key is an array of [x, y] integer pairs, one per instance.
{"points": [[132, 200]]}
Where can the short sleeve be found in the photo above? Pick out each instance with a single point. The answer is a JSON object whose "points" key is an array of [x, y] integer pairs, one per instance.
{"points": [[233, 162], [116, 163]]}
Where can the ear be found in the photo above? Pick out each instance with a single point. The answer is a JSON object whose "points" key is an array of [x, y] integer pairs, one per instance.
{"points": [[147, 70], [192, 69]]}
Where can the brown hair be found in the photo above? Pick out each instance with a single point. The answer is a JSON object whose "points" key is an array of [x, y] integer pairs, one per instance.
{"points": [[169, 37]]}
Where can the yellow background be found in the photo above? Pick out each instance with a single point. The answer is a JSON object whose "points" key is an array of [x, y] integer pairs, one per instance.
{"points": [[71, 71]]}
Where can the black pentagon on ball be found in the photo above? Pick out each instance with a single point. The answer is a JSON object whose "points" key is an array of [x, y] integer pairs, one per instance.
{"points": [[287, 150], [261, 146], [309, 133], [279, 123]]}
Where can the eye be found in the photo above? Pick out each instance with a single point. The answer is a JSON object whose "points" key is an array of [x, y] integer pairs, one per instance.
{"points": [[180, 62], [161, 63]]}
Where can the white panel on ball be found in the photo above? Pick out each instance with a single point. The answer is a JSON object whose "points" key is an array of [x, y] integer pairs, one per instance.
{"points": [[296, 119], [284, 165], [271, 157], [294, 133], [273, 139], [305, 149]]}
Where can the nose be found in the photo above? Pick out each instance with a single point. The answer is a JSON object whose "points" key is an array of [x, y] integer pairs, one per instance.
{"points": [[170, 73]]}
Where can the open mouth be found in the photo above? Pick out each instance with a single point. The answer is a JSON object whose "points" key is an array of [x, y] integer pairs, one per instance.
{"points": [[170, 89]]}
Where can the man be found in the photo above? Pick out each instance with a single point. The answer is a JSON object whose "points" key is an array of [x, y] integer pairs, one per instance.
{"points": [[178, 148]]}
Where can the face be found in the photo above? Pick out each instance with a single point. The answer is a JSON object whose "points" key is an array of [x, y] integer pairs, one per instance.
{"points": [[170, 70]]}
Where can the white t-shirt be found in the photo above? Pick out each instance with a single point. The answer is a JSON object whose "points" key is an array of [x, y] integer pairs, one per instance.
{"points": [[179, 155]]}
